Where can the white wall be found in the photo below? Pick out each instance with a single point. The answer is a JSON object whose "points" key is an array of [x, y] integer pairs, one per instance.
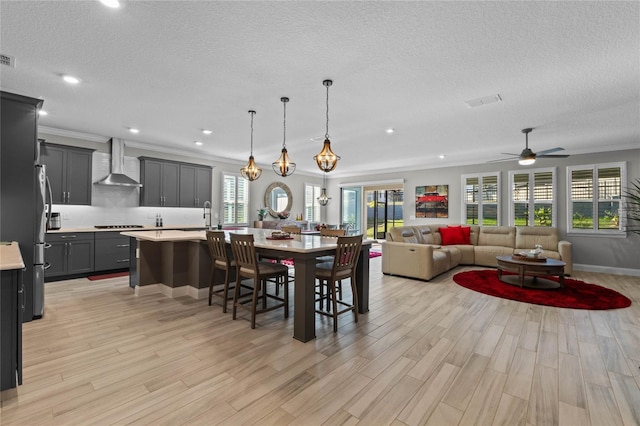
{"points": [[595, 253]]}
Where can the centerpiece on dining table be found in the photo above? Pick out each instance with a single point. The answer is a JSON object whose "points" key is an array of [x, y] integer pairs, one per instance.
{"points": [[280, 235]]}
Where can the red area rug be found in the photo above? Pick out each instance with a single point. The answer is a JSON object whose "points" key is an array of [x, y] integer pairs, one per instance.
{"points": [[575, 294], [373, 254], [105, 276]]}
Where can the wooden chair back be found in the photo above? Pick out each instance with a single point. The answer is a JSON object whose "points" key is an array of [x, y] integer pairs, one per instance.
{"points": [[244, 253], [218, 248], [332, 232], [291, 229], [346, 257]]}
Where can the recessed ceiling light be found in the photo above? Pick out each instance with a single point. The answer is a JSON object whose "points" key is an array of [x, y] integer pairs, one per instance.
{"points": [[43, 112], [198, 143], [133, 130], [207, 131], [70, 79], [441, 156], [391, 130], [111, 3]]}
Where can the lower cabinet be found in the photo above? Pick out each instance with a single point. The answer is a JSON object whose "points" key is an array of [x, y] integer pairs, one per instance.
{"points": [[112, 251], [69, 254], [11, 307]]}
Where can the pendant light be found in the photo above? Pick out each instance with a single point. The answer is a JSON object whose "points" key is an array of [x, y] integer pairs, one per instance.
{"points": [[323, 199], [283, 166], [251, 171], [326, 159]]}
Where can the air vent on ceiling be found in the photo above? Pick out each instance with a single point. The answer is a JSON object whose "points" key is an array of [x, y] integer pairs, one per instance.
{"points": [[483, 101], [7, 60]]}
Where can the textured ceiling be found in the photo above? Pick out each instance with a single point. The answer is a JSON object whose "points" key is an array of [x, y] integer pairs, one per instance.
{"points": [[571, 70]]}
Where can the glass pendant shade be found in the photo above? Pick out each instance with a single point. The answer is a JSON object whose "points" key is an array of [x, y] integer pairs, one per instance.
{"points": [[323, 199], [283, 166], [251, 171], [326, 159]]}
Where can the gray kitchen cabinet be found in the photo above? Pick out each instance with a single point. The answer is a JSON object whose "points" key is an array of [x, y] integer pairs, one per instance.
{"points": [[195, 185], [111, 251], [69, 173], [160, 183], [69, 254]]}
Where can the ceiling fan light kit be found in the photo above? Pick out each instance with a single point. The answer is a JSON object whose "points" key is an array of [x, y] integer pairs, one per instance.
{"points": [[527, 157]]}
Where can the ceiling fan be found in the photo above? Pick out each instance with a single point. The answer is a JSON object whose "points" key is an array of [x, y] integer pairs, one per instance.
{"points": [[528, 157]]}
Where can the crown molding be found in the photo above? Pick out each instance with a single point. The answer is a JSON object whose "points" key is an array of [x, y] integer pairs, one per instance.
{"points": [[182, 152], [73, 134]]}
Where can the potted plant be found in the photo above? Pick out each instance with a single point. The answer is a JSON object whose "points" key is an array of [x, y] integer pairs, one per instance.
{"points": [[262, 212], [632, 201]]}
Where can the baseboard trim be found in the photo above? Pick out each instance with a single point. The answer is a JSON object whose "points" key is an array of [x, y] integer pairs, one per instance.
{"points": [[607, 270], [172, 292]]}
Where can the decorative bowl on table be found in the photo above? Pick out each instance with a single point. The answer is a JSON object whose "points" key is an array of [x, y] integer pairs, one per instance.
{"points": [[280, 235], [283, 215]]}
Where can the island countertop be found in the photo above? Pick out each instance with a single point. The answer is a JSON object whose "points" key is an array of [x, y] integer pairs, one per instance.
{"points": [[298, 243], [10, 256]]}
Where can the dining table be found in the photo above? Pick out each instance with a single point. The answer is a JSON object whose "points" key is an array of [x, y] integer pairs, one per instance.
{"points": [[176, 258]]}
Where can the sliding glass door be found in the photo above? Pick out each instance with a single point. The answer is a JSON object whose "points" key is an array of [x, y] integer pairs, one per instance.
{"points": [[384, 211]]}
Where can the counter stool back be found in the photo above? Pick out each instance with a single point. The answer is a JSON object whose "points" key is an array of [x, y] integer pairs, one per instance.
{"points": [[220, 261], [248, 266], [331, 274]]}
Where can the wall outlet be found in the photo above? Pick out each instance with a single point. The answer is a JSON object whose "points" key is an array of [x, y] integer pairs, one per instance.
{"points": [[65, 216]]}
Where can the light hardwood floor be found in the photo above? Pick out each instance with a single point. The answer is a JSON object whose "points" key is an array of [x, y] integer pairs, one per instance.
{"points": [[428, 353]]}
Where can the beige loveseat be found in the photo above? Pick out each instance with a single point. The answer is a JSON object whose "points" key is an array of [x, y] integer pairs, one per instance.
{"points": [[417, 251]]}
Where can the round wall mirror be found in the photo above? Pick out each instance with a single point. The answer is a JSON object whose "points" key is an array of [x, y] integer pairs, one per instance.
{"points": [[278, 199]]}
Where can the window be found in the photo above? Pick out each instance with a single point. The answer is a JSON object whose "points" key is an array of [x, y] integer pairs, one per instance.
{"points": [[594, 193], [311, 205], [481, 199], [533, 197], [236, 200]]}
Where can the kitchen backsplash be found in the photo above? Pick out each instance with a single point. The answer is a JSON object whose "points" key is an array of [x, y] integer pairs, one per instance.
{"points": [[117, 205]]}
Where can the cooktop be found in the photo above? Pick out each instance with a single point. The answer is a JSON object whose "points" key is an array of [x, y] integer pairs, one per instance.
{"points": [[117, 226]]}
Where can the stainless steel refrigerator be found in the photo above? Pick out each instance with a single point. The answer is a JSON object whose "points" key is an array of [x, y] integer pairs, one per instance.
{"points": [[43, 214], [21, 205]]}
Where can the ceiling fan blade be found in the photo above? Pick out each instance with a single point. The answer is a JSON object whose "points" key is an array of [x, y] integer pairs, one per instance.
{"points": [[503, 159], [549, 151], [552, 156], [510, 153]]}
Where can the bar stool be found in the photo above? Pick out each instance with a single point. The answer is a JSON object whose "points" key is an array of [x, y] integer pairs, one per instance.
{"points": [[330, 275], [220, 261], [248, 266]]}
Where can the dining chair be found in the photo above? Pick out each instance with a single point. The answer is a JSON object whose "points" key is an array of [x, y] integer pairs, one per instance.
{"points": [[248, 266], [291, 229], [325, 232], [331, 274], [220, 261]]}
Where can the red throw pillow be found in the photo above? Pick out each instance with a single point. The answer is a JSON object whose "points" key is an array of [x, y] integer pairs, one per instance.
{"points": [[451, 236], [466, 233]]}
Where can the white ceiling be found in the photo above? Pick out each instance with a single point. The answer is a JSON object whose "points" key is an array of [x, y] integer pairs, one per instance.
{"points": [[569, 69]]}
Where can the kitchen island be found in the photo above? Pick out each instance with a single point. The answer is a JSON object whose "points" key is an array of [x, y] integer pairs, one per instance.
{"points": [[177, 263], [11, 307]]}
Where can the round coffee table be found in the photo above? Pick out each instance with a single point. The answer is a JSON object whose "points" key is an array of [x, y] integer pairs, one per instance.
{"points": [[531, 273]]}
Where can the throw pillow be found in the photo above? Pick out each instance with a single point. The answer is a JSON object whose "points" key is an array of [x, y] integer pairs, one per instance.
{"points": [[451, 236], [466, 233]]}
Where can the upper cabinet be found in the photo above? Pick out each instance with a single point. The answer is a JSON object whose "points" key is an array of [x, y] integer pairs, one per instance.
{"points": [[160, 183], [195, 185], [172, 184], [69, 173]]}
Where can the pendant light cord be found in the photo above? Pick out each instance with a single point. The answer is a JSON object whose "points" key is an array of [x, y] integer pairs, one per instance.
{"points": [[252, 113], [284, 126], [326, 134]]}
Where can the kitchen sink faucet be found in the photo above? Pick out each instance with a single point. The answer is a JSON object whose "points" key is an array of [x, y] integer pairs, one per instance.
{"points": [[207, 214]]}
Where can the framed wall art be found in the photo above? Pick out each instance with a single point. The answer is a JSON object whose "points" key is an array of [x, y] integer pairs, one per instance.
{"points": [[432, 201]]}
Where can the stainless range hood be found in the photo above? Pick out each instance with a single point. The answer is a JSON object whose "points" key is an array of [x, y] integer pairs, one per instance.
{"points": [[117, 177]]}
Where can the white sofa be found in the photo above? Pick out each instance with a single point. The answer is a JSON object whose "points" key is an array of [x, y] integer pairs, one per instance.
{"points": [[418, 251]]}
